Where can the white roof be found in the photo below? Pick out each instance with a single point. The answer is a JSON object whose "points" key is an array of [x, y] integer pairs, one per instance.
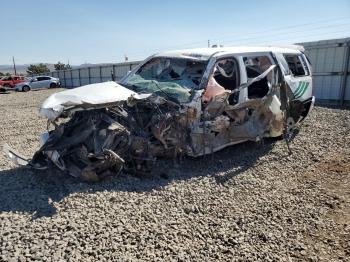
{"points": [[205, 53]]}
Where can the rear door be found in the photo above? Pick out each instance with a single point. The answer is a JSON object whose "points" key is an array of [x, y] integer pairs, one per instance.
{"points": [[35, 83], [297, 74], [46, 81], [251, 65], [40, 83]]}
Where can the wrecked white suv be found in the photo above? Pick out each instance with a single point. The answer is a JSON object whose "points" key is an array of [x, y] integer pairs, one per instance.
{"points": [[188, 102]]}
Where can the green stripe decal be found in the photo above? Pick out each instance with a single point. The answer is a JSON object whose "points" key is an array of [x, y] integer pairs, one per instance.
{"points": [[300, 90], [305, 86]]}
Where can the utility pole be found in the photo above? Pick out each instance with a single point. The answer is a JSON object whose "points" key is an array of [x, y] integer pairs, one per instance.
{"points": [[14, 64]]}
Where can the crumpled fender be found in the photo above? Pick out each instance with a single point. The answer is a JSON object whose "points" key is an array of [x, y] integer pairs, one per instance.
{"points": [[94, 94]]}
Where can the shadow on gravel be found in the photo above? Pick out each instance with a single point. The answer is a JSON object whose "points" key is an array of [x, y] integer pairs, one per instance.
{"points": [[33, 192]]}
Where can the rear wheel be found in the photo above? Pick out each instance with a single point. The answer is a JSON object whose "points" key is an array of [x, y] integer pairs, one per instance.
{"points": [[25, 88], [53, 85]]}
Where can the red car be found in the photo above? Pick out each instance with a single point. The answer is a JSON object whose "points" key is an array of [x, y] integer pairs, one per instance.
{"points": [[10, 81]]}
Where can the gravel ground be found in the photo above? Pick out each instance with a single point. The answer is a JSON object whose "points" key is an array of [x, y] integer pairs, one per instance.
{"points": [[248, 202]]}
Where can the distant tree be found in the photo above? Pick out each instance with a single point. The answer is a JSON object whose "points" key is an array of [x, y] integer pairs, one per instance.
{"points": [[37, 69], [61, 66], [1, 74]]}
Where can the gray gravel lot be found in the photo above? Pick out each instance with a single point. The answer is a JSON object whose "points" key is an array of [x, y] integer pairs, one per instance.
{"points": [[248, 202]]}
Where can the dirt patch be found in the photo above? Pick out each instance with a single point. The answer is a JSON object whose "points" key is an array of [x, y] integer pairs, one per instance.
{"points": [[334, 174]]}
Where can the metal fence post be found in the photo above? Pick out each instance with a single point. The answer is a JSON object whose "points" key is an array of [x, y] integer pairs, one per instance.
{"points": [[113, 68], [345, 74], [100, 73], [79, 77], [64, 77], [89, 75], [71, 78]]}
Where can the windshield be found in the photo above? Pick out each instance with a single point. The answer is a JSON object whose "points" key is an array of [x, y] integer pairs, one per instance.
{"points": [[172, 78]]}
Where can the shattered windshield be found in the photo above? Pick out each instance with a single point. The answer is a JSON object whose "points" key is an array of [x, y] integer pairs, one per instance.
{"points": [[172, 78]]}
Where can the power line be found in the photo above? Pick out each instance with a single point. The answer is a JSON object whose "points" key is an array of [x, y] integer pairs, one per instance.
{"points": [[253, 33], [291, 32], [287, 27], [260, 37], [302, 38]]}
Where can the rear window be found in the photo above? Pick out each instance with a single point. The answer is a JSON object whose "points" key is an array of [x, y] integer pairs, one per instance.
{"points": [[297, 64]]}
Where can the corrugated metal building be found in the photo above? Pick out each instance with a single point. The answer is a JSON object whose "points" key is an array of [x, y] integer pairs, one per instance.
{"points": [[330, 65], [329, 58]]}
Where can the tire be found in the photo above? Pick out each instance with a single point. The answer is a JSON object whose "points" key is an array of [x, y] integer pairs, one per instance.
{"points": [[25, 88], [53, 85]]}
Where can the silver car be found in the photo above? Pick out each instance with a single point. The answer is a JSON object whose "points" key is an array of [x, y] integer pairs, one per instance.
{"points": [[38, 82]]}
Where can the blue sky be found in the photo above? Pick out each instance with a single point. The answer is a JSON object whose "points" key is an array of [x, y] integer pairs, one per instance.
{"points": [[104, 31]]}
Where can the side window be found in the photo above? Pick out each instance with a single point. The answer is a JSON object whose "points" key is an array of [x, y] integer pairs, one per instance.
{"points": [[297, 64], [224, 76], [47, 78], [283, 62], [255, 66], [226, 73], [302, 59], [39, 78]]}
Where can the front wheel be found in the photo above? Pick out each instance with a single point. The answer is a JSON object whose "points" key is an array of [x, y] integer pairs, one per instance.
{"points": [[25, 88]]}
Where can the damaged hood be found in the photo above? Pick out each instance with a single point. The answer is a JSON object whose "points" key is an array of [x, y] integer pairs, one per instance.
{"points": [[94, 94]]}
